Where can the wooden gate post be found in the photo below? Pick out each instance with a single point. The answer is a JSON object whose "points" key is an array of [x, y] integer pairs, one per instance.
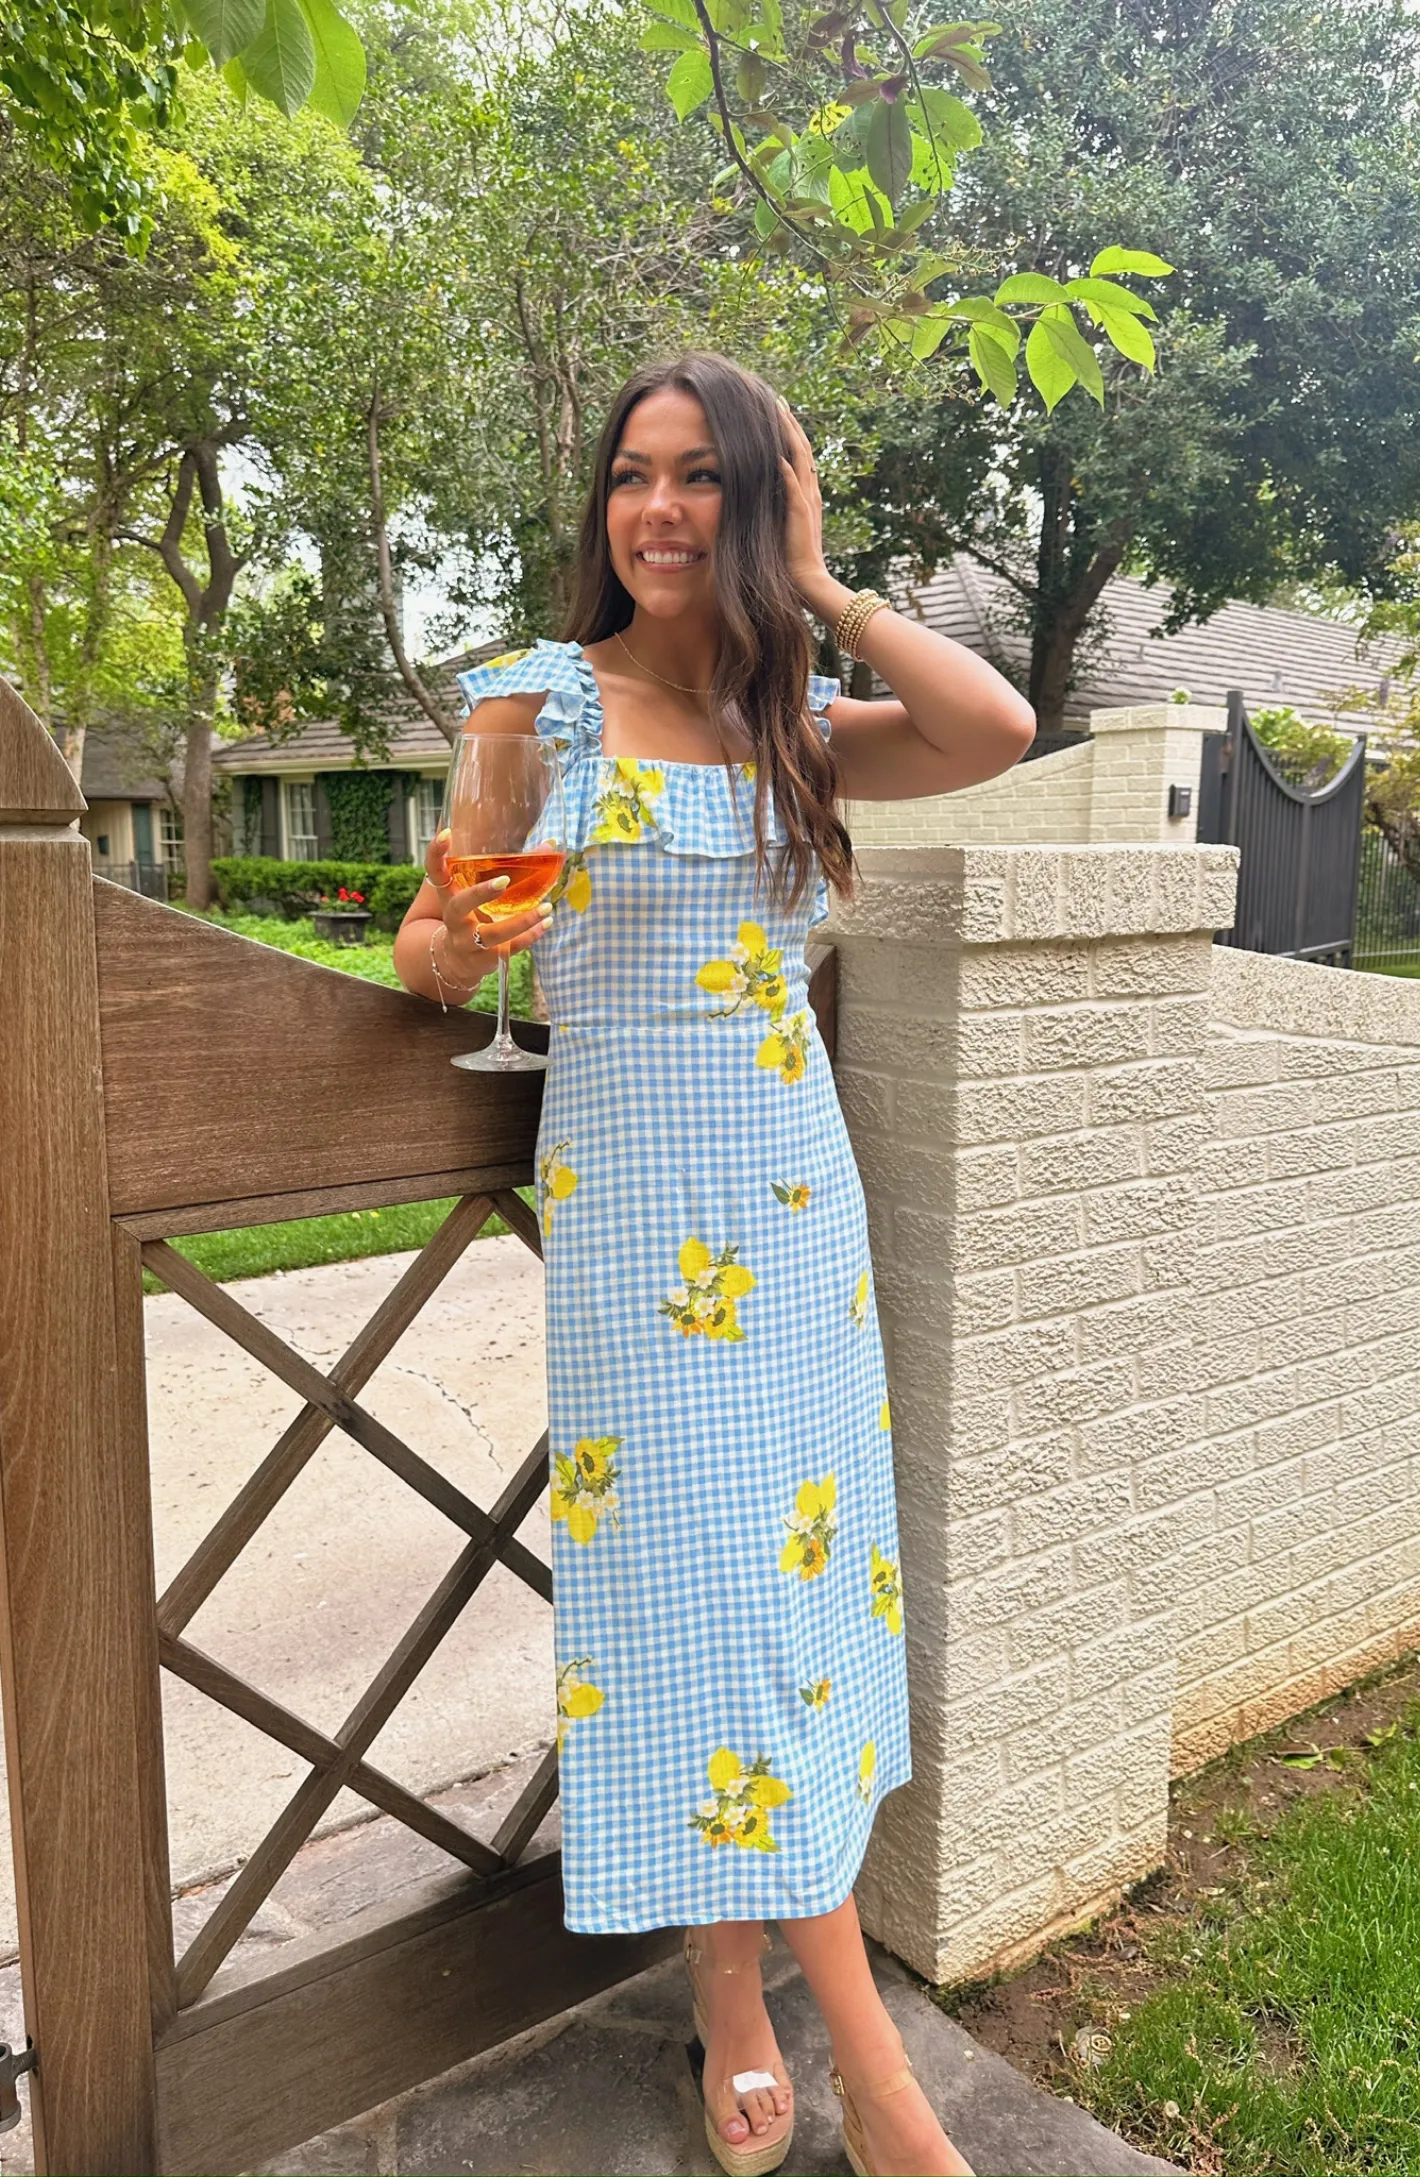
{"points": [[77, 1646]]}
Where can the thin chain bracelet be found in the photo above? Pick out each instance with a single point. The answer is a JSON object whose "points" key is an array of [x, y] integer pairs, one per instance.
{"points": [[439, 980]]}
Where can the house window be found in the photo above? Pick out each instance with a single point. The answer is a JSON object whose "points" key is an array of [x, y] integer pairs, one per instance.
{"points": [[299, 798], [428, 801], [170, 835]]}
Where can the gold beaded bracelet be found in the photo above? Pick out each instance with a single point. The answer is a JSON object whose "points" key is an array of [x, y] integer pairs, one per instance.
{"points": [[854, 618]]}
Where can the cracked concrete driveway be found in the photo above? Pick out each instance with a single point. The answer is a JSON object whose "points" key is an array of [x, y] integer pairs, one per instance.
{"points": [[323, 1592]]}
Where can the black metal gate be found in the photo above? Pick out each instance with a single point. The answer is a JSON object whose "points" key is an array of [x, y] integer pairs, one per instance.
{"points": [[1300, 849]]}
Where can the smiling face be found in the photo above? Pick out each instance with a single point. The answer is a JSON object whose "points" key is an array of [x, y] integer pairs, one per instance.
{"points": [[663, 505]]}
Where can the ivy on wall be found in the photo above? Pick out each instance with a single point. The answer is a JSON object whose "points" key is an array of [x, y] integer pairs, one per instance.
{"points": [[359, 804], [251, 815]]}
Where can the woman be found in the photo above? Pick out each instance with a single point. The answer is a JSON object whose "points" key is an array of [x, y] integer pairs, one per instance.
{"points": [[731, 1683]]}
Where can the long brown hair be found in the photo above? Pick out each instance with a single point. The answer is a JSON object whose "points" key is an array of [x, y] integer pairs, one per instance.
{"points": [[761, 673]]}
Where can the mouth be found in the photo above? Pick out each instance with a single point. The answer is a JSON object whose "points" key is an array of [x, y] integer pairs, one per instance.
{"points": [[670, 558]]}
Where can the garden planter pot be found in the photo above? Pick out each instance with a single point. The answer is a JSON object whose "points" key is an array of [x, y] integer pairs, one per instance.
{"points": [[342, 926]]}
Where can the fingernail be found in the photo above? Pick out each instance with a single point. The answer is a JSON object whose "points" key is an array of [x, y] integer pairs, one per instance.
{"points": [[499, 883]]}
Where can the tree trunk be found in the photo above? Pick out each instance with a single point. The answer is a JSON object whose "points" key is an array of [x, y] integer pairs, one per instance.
{"points": [[197, 793]]}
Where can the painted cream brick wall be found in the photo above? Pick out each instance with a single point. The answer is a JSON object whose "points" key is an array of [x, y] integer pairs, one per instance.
{"points": [[1044, 803], [1110, 790], [1306, 1572], [1145, 1216], [1022, 1040]]}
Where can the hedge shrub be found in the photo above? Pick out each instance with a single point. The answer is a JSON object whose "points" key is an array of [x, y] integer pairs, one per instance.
{"points": [[292, 888]]}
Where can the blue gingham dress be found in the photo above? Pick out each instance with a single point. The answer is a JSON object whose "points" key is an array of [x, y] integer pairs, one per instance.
{"points": [[731, 1689]]}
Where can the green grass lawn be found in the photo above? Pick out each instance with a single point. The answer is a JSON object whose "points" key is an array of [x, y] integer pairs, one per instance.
{"points": [[1282, 2032], [1380, 965], [254, 1250]]}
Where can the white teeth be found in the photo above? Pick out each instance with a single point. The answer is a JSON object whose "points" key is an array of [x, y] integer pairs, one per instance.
{"points": [[670, 559]]}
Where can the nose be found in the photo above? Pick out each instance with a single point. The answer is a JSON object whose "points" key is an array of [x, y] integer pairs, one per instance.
{"points": [[663, 500]]}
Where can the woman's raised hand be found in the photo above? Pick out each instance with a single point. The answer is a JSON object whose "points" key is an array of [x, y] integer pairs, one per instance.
{"points": [[803, 538], [508, 934]]}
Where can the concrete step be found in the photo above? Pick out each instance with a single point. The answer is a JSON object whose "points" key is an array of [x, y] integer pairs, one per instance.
{"points": [[611, 2087]]}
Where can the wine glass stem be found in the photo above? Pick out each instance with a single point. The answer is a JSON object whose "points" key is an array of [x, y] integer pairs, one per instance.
{"points": [[504, 1039]]}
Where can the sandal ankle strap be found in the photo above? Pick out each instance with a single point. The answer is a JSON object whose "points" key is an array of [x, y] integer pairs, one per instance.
{"points": [[695, 1955], [879, 2090]]}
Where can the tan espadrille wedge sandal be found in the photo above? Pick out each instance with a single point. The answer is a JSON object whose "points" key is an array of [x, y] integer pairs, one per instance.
{"points": [[853, 2139], [748, 2160]]}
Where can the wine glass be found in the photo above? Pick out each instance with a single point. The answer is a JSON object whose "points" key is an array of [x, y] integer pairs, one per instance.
{"points": [[505, 814]]}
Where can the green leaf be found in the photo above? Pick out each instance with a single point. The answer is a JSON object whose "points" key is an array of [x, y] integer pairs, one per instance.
{"points": [[1050, 374], [1110, 296], [910, 220], [281, 62], [677, 11], [340, 63], [225, 26], [950, 119], [889, 149], [668, 38], [1072, 347], [980, 311], [991, 363], [750, 78], [856, 201], [928, 334], [932, 169], [690, 83], [1030, 287], [1127, 334], [235, 78], [1130, 260], [766, 219]]}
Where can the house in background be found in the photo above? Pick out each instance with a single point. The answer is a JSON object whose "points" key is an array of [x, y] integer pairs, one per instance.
{"points": [[1275, 656], [133, 829], [283, 793]]}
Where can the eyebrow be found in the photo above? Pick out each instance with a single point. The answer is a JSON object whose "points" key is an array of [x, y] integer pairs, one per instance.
{"points": [[695, 454]]}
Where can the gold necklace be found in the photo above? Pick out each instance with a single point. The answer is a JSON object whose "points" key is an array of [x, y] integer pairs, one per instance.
{"points": [[677, 684]]}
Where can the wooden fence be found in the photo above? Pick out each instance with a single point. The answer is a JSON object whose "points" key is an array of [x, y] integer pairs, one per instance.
{"points": [[161, 1076]]}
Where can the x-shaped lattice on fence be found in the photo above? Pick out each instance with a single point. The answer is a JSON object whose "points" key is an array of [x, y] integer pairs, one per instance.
{"points": [[331, 1403]]}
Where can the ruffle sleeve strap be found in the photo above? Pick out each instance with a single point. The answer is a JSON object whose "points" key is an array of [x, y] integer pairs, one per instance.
{"points": [[822, 692], [552, 669]]}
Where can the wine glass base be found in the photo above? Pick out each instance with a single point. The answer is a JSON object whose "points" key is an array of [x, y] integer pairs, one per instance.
{"points": [[491, 1060]]}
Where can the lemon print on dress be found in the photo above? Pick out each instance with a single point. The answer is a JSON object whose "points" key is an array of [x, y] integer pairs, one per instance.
{"points": [[858, 1305], [794, 1194], [752, 975], [867, 1766], [815, 1693], [811, 1527], [785, 1050], [574, 884], [885, 1578], [706, 1303], [584, 1488], [576, 1696], [744, 1795], [622, 806], [885, 1415], [558, 1181], [509, 657]]}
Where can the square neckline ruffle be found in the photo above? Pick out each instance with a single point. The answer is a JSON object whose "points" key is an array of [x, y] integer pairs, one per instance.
{"points": [[694, 809], [521, 671]]}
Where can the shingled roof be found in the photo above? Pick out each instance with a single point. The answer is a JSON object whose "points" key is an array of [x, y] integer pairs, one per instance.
{"points": [[1275, 656], [414, 740]]}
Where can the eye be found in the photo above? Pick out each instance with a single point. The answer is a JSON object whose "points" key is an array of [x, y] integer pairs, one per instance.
{"points": [[624, 476], [703, 475]]}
